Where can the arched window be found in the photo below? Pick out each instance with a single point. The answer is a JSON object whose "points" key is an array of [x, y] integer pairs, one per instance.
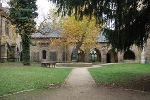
{"points": [[44, 54], [80, 56], [93, 56]]}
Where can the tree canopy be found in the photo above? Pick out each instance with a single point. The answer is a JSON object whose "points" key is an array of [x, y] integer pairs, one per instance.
{"points": [[78, 33], [131, 18], [22, 14]]}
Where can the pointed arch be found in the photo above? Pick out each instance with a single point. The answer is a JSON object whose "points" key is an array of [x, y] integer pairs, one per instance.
{"points": [[129, 55], [112, 56], [95, 55], [98, 55], [80, 56]]}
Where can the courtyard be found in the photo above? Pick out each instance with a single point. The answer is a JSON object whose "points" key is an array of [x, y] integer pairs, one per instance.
{"points": [[41, 83]]}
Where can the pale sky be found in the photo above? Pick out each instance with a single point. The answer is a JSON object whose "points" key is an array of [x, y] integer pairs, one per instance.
{"points": [[43, 8]]}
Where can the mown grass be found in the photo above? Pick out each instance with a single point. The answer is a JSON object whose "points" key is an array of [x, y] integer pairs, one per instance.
{"points": [[16, 77], [119, 72]]}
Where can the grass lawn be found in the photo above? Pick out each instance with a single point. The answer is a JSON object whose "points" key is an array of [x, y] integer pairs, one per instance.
{"points": [[14, 77], [127, 73]]}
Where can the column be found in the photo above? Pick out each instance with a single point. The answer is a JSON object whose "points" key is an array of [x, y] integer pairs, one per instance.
{"points": [[104, 55], [3, 53], [120, 57], [143, 56]]}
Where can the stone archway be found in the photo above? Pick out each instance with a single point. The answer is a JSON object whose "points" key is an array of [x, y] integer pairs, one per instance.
{"points": [[112, 56], [95, 55], [129, 55], [98, 55], [80, 56]]}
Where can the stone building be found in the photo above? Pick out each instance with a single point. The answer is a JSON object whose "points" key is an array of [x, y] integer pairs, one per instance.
{"points": [[101, 53], [10, 42], [10, 47], [42, 49]]}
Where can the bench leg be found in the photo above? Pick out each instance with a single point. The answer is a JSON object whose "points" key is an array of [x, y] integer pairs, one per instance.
{"points": [[54, 65], [49, 65], [43, 65]]}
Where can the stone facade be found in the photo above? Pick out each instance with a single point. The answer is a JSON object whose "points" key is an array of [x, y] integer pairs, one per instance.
{"points": [[10, 42], [10, 48], [102, 53]]}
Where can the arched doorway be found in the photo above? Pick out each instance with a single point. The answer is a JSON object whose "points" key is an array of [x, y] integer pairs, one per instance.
{"points": [[112, 56], [129, 55], [98, 55], [44, 54]]}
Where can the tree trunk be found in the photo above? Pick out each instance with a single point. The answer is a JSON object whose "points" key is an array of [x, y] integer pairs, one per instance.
{"points": [[79, 44], [26, 50]]}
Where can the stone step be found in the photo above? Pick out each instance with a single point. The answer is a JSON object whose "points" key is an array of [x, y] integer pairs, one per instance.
{"points": [[74, 64]]}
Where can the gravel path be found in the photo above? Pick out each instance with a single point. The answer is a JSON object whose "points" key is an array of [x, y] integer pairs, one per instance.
{"points": [[80, 86]]}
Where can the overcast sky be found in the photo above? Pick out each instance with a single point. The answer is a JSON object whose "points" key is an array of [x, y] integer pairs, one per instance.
{"points": [[43, 8]]}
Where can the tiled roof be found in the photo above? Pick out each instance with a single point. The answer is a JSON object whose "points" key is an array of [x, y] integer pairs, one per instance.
{"points": [[54, 34], [47, 32]]}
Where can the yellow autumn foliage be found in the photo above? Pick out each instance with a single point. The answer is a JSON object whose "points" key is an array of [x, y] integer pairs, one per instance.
{"points": [[85, 31], [75, 31]]}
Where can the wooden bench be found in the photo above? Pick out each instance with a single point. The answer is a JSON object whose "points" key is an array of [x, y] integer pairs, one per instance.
{"points": [[48, 63]]}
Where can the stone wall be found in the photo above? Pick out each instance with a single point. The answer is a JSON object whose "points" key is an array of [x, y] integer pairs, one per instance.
{"points": [[148, 51], [103, 50], [10, 46], [44, 44], [3, 53]]}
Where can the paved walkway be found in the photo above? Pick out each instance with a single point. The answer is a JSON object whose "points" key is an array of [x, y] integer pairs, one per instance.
{"points": [[80, 86]]}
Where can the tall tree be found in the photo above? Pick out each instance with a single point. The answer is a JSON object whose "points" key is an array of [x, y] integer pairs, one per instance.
{"points": [[80, 34], [22, 14], [132, 18]]}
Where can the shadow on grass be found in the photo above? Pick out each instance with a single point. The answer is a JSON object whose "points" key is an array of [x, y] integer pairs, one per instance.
{"points": [[141, 84], [129, 75]]}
